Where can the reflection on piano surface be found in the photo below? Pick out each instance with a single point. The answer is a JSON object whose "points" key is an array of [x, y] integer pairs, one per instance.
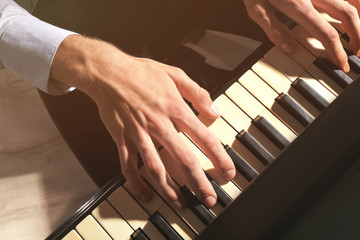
{"points": [[273, 118]]}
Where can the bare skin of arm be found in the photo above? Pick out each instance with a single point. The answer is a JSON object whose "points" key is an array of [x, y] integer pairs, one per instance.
{"points": [[141, 103], [305, 13]]}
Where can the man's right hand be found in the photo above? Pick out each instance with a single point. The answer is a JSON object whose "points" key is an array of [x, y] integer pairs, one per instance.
{"points": [[141, 103]]}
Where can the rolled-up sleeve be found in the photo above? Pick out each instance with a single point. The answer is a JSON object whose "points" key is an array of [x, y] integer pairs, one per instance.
{"points": [[28, 46]]}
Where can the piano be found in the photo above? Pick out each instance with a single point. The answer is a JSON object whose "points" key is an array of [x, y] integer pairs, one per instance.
{"points": [[289, 122]]}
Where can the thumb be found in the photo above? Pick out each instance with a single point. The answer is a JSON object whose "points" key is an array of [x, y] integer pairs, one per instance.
{"points": [[191, 91]]}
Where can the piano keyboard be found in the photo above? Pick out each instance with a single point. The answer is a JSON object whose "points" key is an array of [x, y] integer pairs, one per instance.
{"points": [[261, 114]]}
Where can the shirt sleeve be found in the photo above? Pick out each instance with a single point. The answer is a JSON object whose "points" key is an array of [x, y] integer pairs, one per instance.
{"points": [[28, 46]]}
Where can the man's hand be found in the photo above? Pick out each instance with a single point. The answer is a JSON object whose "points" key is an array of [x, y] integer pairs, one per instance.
{"points": [[304, 13], [140, 102]]}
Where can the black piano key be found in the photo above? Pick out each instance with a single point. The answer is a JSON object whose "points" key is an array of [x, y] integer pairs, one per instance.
{"points": [[354, 62], [333, 72], [241, 165], [164, 227], [255, 147], [222, 197], [271, 132], [196, 207], [312, 96], [139, 235], [297, 111], [346, 37]]}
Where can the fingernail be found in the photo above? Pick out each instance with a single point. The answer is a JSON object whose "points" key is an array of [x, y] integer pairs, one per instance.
{"points": [[209, 201], [230, 174], [346, 67], [178, 204], [288, 47], [144, 198], [214, 111]]}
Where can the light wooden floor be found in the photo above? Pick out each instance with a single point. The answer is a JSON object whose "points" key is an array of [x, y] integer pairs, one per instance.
{"points": [[41, 182]]}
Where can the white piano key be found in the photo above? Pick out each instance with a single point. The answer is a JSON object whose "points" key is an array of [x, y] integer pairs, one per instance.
{"points": [[229, 110], [325, 80], [132, 212], [111, 221], [258, 88], [274, 78], [72, 235], [151, 231], [318, 87], [152, 206], [308, 41], [280, 126], [266, 95], [277, 79], [89, 229], [284, 63], [226, 134], [129, 209], [179, 226], [247, 103], [220, 128], [239, 121], [185, 213], [302, 56], [243, 99], [263, 140]]}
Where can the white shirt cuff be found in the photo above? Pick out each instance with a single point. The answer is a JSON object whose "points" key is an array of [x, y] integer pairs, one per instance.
{"points": [[28, 46]]}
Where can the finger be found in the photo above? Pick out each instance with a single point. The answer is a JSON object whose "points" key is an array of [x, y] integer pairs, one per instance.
{"points": [[304, 13], [167, 135], [355, 3], [191, 168], [127, 154], [263, 14], [192, 92], [135, 183], [157, 171], [349, 17], [209, 143]]}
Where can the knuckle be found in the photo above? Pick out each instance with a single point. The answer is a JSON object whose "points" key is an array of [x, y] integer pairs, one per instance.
{"points": [[188, 161], [201, 93], [332, 36], [275, 35], [127, 171], [210, 141], [349, 13], [153, 168], [169, 194], [177, 110], [156, 125], [257, 12], [178, 71]]}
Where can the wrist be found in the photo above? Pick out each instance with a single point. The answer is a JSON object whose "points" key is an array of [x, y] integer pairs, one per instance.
{"points": [[85, 63]]}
